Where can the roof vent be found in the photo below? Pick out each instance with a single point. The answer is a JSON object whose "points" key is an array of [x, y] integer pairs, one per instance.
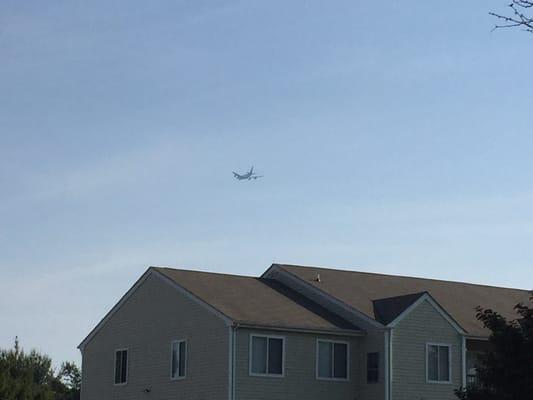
{"points": [[317, 279]]}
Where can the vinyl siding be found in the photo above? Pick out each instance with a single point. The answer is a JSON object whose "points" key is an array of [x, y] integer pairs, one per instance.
{"points": [[373, 342], [300, 380], [424, 324], [146, 324]]}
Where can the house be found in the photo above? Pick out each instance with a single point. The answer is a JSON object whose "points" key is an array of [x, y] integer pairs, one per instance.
{"points": [[293, 333]]}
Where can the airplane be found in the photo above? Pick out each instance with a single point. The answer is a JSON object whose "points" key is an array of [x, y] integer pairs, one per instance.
{"points": [[247, 176]]}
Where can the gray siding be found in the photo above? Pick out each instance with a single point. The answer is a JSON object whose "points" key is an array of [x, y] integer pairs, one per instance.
{"points": [[373, 342], [299, 382], [146, 324], [424, 324]]}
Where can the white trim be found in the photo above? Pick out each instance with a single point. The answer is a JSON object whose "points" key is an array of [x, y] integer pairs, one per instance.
{"points": [[449, 346], [463, 361], [323, 378], [115, 366], [427, 297], [386, 367], [358, 314], [179, 341], [267, 375], [282, 356], [343, 332]]}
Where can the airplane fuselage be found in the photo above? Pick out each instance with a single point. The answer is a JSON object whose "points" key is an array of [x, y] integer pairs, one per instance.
{"points": [[247, 176]]}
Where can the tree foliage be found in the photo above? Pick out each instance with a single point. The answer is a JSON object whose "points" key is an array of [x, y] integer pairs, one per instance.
{"points": [[506, 369], [520, 15], [30, 376]]}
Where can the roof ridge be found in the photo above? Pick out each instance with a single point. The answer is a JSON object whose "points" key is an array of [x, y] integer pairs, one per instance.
{"points": [[164, 267], [414, 294], [405, 276]]}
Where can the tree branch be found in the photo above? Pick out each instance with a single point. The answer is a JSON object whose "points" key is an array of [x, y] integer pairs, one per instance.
{"points": [[518, 17]]}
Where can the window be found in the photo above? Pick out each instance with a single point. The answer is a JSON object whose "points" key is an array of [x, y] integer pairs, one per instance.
{"points": [[372, 367], [266, 355], [473, 360], [178, 359], [438, 364], [121, 366], [332, 360]]}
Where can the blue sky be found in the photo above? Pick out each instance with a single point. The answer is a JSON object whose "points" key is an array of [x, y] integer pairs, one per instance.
{"points": [[394, 137]]}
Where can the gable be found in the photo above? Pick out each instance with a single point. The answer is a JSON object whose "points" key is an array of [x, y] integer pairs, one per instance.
{"points": [[424, 316], [426, 302], [146, 324], [459, 299], [151, 292], [424, 325]]}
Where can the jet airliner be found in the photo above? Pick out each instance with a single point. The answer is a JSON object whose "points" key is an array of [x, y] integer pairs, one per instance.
{"points": [[247, 176]]}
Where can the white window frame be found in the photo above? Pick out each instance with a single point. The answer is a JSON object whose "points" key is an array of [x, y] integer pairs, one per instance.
{"points": [[267, 375], [178, 341], [115, 366], [321, 378], [449, 346]]}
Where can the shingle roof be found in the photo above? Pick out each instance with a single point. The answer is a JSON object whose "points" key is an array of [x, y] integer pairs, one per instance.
{"points": [[387, 310], [361, 290], [256, 301]]}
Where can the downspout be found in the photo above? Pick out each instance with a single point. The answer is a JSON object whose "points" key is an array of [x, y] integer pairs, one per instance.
{"points": [[234, 339], [391, 332], [82, 350], [230, 362], [386, 335], [463, 361]]}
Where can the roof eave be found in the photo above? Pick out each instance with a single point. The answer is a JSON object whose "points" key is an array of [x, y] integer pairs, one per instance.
{"points": [[477, 337], [337, 332]]}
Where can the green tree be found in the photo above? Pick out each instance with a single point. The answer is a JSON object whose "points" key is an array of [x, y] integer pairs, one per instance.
{"points": [[30, 376], [506, 369], [69, 382]]}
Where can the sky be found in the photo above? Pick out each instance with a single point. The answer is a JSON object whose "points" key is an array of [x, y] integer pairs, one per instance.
{"points": [[394, 137]]}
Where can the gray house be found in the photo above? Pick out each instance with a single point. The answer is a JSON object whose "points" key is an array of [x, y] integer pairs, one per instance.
{"points": [[294, 333]]}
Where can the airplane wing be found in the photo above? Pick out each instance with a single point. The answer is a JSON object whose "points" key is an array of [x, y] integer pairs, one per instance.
{"points": [[236, 175], [257, 176]]}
